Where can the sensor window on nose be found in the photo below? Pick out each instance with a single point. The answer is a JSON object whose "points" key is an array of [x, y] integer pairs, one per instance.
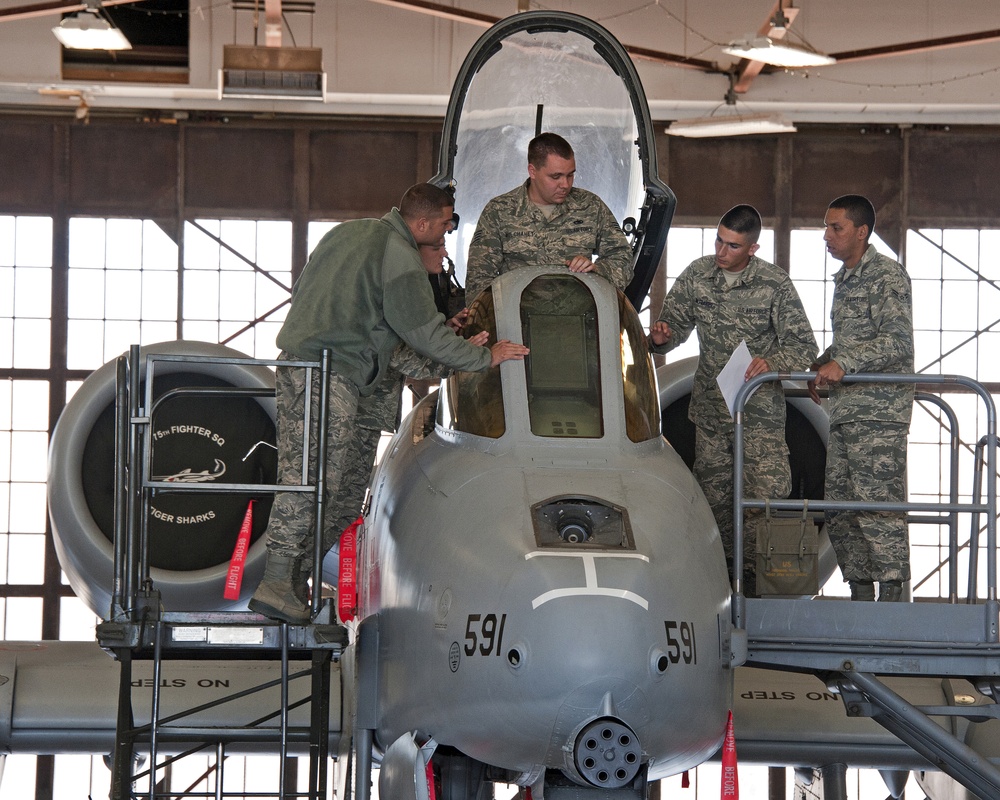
{"points": [[569, 521]]}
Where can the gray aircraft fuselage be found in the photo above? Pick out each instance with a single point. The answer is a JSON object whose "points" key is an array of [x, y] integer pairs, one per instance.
{"points": [[547, 576]]}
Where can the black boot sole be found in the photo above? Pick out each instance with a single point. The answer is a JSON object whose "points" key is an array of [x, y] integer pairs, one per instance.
{"points": [[273, 613]]}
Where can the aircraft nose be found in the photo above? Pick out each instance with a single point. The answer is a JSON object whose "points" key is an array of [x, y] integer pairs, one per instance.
{"points": [[607, 753]]}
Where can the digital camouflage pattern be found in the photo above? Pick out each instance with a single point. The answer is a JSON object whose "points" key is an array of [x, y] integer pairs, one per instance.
{"points": [[291, 528], [872, 316], [355, 428], [763, 308], [866, 461], [513, 232], [381, 410], [376, 413], [766, 475]]}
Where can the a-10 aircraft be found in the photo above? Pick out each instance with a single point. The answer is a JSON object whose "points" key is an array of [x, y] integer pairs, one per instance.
{"points": [[550, 558], [543, 597]]}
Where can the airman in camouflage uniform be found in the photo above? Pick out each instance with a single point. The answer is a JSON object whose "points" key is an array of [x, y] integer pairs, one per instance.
{"points": [[730, 297], [872, 317], [355, 447], [363, 291], [374, 414], [286, 538], [381, 410], [547, 221]]}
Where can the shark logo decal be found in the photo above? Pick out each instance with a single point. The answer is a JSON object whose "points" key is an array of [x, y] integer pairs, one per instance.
{"points": [[188, 476]]}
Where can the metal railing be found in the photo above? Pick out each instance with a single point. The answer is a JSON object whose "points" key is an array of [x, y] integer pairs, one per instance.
{"points": [[138, 623], [134, 456], [929, 513]]}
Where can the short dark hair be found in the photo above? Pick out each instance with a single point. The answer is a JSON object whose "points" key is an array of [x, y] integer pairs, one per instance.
{"points": [[545, 144], [743, 219], [859, 210], [424, 201]]}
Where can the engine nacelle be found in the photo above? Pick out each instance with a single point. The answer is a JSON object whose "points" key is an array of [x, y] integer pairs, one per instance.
{"points": [[194, 440]]}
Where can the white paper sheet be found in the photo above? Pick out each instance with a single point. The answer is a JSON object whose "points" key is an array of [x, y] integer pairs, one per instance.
{"points": [[731, 378]]}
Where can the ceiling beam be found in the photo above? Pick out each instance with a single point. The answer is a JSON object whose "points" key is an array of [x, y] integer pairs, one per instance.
{"points": [[748, 70], [459, 15], [923, 46], [670, 58], [444, 12], [53, 7]]}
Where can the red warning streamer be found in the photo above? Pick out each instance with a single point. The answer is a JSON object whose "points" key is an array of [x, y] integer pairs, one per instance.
{"points": [[234, 577], [431, 790], [730, 775], [347, 586]]}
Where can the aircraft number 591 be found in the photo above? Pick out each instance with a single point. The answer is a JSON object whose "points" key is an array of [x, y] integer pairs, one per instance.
{"points": [[484, 634], [681, 645]]}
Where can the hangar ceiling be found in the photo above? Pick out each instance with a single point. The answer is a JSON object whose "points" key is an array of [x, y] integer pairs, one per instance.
{"points": [[914, 62]]}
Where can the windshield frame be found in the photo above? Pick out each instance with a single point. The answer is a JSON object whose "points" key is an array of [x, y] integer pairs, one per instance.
{"points": [[610, 306]]}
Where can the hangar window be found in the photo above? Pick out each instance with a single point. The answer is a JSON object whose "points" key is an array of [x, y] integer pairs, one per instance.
{"points": [[236, 282], [128, 285], [123, 281], [123, 288], [25, 291], [25, 350]]}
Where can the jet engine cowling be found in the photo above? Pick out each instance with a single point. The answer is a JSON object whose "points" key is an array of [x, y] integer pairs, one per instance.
{"points": [[191, 536]]}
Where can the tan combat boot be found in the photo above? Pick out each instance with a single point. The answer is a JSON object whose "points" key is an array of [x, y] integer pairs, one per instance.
{"points": [[862, 590], [890, 591], [276, 596]]}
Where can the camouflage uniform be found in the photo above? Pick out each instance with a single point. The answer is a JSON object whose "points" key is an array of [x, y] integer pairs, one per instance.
{"points": [[763, 308], [872, 317], [513, 232], [376, 413], [290, 528], [380, 412], [362, 292], [350, 452]]}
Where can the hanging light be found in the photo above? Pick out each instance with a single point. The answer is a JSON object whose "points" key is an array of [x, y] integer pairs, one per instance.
{"points": [[730, 122], [762, 48], [730, 125], [88, 30]]}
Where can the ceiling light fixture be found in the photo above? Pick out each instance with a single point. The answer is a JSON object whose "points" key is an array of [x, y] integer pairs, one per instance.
{"points": [[730, 125], [88, 30], [761, 48]]}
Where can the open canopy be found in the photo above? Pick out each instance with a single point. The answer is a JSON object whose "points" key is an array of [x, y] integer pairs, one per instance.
{"points": [[552, 71]]}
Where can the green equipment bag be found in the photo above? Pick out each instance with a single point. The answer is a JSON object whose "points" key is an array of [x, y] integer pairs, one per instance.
{"points": [[787, 555]]}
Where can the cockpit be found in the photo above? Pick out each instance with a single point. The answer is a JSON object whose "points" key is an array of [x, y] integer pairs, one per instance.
{"points": [[571, 383]]}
